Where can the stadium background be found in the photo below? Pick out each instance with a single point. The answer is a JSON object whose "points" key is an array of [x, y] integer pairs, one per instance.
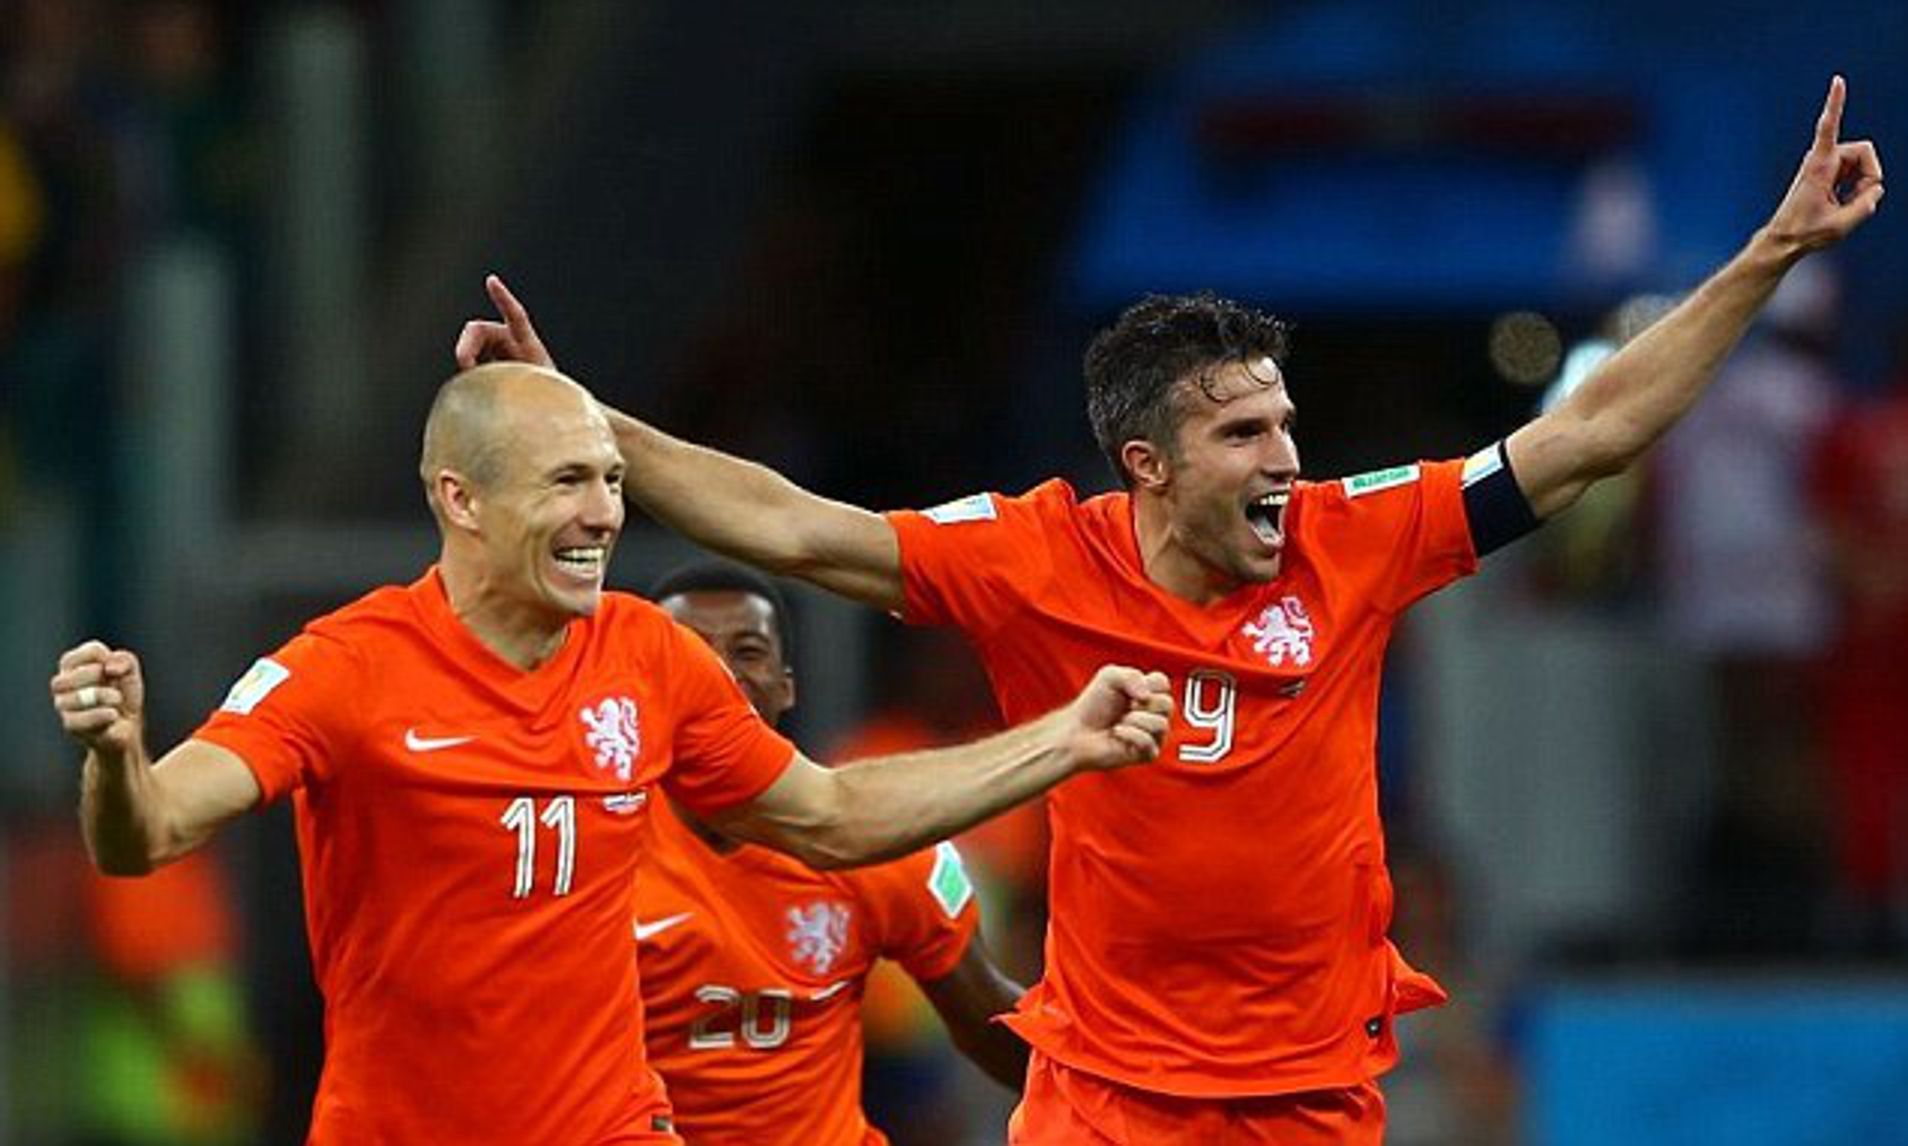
{"points": [[866, 241]]}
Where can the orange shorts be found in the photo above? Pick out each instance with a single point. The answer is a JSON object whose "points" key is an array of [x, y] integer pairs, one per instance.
{"points": [[1067, 1107]]}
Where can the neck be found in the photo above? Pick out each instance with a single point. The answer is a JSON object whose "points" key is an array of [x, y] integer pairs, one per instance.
{"points": [[1167, 561], [523, 637]]}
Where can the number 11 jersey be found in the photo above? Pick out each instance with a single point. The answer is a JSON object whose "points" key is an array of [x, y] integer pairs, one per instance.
{"points": [[469, 834]]}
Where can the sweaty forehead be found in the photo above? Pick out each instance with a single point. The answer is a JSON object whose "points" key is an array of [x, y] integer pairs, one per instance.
{"points": [[1230, 381]]}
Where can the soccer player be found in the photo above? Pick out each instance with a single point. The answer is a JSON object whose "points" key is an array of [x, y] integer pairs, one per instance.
{"points": [[1217, 962], [472, 759], [754, 964]]}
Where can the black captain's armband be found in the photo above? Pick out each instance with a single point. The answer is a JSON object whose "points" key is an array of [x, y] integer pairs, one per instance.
{"points": [[1496, 508]]}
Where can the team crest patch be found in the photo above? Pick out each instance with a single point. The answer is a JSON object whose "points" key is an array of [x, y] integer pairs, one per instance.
{"points": [[1380, 479], [1282, 632], [974, 507], [612, 734], [258, 682], [817, 934], [948, 882]]}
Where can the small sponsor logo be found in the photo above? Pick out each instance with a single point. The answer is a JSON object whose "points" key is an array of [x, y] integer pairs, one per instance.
{"points": [[647, 931], [1376, 480], [613, 734], [625, 803], [948, 882], [418, 743], [973, 507], [258, 682]]}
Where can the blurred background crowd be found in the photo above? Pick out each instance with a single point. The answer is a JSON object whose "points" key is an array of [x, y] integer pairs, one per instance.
{"points": [[1647, 776]]}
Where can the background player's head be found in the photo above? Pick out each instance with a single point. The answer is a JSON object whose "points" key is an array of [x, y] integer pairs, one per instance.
{"points": [[1186, 394], [522, 473], [744, 617]]}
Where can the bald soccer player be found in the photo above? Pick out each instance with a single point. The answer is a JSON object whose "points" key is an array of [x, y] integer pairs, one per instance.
{"points": [[472, 759]]}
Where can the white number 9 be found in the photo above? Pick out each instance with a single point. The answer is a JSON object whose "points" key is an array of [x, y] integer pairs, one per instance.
{"points": [[1210, 701]]}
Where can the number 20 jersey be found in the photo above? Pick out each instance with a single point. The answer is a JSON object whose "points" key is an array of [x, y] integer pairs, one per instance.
{"points": [[1218, 917], [469, 834]]}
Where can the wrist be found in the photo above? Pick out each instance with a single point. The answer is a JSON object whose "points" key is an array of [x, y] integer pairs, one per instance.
{"points": [[1772, 251]]}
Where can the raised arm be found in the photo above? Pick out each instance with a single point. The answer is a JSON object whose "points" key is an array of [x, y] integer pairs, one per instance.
{"points": [[967, 999], [134, 814], [735, 507], [1640, 391], [878, 809]]}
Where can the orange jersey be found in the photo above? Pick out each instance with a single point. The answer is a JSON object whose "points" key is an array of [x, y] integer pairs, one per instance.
{"points": [[753, 971], [469, 833], [1218, 917]]}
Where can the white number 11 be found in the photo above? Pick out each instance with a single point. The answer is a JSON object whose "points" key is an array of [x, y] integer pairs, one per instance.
{"points": [[559, 814]]}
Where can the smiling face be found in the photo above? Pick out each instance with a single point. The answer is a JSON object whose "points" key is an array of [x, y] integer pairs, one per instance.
{"points": [[742, 628], [549, 522], [526, 479], [1210, 510]]}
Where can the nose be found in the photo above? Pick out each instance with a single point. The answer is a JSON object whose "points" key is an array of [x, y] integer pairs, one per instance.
{"points": [[603, 507], [1282, 458]]}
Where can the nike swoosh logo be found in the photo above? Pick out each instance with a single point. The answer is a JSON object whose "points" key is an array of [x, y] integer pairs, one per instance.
{"points": [[418, 743], [656, 927]]}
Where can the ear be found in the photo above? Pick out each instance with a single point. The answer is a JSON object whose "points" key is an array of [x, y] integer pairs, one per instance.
{"points": [[1145, 464], [457, 498], [788, 683]]}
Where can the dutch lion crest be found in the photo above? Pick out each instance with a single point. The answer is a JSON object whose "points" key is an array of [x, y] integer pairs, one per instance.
{"points": [[613, 734], [1282, 630], [817, 934]]}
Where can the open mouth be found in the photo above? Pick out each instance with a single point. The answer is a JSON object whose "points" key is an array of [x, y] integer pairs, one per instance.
{"points": [[1266, 516], [584, 562]]}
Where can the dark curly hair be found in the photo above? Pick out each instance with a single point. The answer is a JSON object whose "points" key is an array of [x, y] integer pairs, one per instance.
{"points": [[1132, 366], [718, 576]]}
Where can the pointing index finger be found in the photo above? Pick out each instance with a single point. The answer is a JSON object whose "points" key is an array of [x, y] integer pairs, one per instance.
{"points": [[1828, 126], [517, 318]]}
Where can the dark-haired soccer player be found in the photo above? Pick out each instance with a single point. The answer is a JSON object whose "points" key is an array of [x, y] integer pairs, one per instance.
{"points": [[1217, 966], [754, 964], [471, 758]]}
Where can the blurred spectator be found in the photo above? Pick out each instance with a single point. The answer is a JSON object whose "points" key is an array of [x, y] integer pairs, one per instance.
{"points": [[1861, 485], [166, 1055], [1744, 587]]}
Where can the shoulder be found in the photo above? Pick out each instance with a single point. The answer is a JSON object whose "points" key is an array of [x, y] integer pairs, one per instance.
{"points": [[933, 880]]}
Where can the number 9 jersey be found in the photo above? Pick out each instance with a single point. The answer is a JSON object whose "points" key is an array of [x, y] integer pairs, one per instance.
{"points": [[1218, 918], [469, 833]]}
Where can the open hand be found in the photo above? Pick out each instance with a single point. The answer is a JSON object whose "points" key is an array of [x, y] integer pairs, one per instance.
{"points": [[1836, 189], [512, 340], [100, 696], [1120, 718]]}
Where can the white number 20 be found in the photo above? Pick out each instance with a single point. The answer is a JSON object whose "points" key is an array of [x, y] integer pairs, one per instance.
{"points": [[560, 815], [1210, 700]]}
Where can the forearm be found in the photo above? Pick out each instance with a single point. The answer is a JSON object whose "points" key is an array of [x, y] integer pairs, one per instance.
{"points": [[727, 504], [121, 814], [1639, 392], [968, 998], [883, 808], [751, 513]]}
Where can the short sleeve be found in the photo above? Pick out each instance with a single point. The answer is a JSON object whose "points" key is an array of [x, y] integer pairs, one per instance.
{"points": [[923, 906], [723, 754], [285, 718], [971, 562], [1402, 531]]}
